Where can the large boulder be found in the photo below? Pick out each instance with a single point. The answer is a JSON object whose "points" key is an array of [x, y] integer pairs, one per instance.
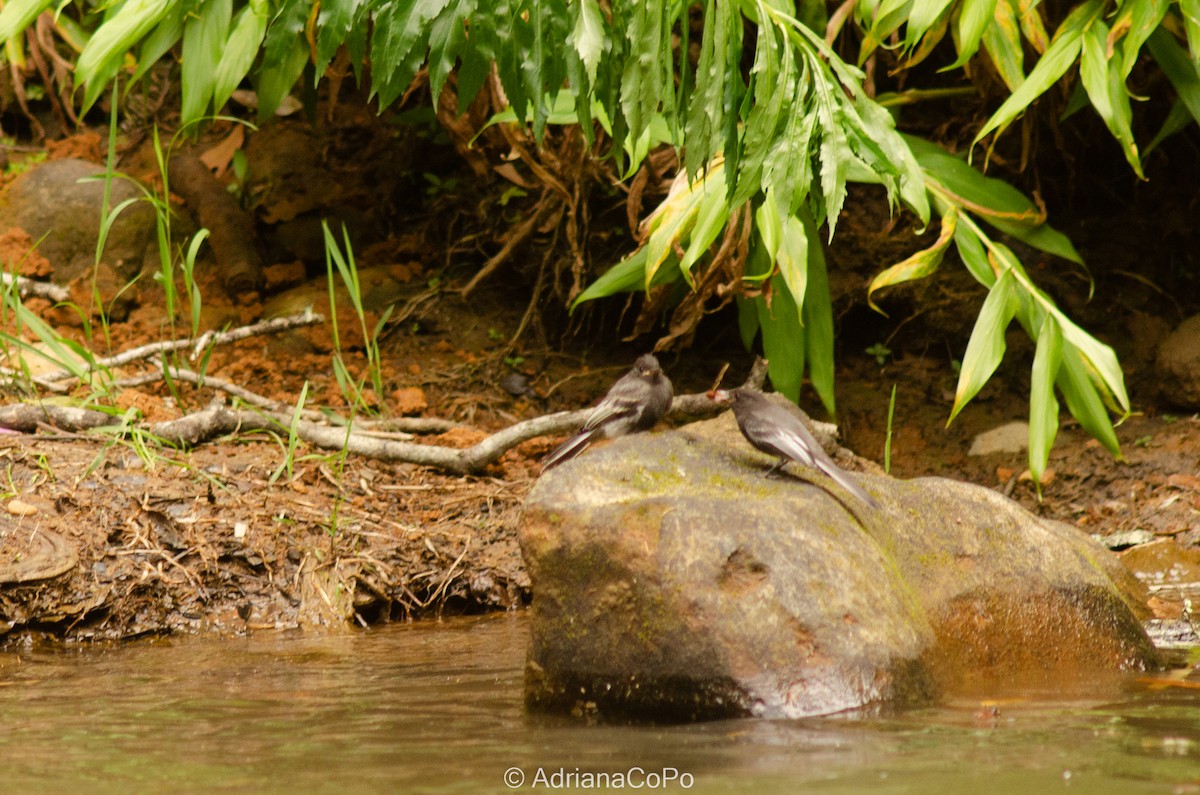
{"points": [[673, 580], [61, 206]]}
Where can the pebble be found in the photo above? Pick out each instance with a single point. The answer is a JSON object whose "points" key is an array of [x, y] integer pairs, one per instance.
{"points": [[18, 508]]}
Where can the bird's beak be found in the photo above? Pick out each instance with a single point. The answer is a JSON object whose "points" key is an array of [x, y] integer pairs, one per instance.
{"points": [[720, 396]]}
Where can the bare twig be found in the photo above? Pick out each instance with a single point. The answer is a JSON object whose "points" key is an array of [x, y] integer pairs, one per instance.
{"points": [[272, 326], [26, 417], [306, 318], [28, 287]]}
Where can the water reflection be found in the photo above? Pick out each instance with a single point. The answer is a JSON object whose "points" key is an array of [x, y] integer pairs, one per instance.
{"points": [[437, 708]]}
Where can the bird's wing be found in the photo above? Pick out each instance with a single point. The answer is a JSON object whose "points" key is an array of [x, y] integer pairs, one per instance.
{"points": [[778, 429], [626, 402]]}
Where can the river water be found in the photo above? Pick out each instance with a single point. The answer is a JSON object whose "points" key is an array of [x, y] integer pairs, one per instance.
{"points": [[436, 707]]}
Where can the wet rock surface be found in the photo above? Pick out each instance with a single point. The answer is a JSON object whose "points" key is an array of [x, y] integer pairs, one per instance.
{"points": [[672, 579]]}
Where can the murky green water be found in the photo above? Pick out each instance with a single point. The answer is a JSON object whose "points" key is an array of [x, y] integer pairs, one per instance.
{"points": [[437, 708]]}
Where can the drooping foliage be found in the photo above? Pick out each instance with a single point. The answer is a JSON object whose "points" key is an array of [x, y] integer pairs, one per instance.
{"points": [[771, 125]]}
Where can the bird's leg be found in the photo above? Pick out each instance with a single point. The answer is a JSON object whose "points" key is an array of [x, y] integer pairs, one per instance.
{"points": [[777, 467]]}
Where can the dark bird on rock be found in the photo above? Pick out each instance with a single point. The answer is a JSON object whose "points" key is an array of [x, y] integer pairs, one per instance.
{"points": [[776, 431], [635, 402]]}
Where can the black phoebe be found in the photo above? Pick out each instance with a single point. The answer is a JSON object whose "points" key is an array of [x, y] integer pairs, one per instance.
{"points": [[635, 402], [776, 431]]}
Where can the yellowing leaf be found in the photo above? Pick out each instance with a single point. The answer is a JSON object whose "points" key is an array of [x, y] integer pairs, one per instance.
{"points": [[792, 259], [920, 264]]}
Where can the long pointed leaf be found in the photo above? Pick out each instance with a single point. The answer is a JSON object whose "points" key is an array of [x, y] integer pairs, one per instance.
{"points": [[986, 347], [1043, 406], [1058, 58]]}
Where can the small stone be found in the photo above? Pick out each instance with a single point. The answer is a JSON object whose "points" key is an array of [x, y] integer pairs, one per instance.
{"points": [[1012, 437], [239, 529], [19, 508], [1125, 539]]}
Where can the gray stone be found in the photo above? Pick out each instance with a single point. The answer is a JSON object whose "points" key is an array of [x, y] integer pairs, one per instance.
{"points": [[1012, 437], [673, 580], [63, 214], [1178, 365]]}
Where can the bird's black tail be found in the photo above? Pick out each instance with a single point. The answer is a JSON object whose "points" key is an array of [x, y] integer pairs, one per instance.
{"points": [[832, 470], [567, 450]]}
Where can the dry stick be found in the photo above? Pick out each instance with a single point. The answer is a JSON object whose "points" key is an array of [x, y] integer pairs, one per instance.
{"points": [[401, 426], [241, 393], [218, 419], [28, 287], [26, 417], [306, 318]]}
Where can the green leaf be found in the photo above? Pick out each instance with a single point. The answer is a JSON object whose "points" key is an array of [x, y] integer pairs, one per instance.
{"points": [[923, 15], [204, 38], [710, 220], [240, 51], [973, 20], [1101, 362], [747, 320], [1178, 120], [1058, 58], [643, 81], [18, 15], [160, 41], [106, 49], [334, 21], [1043, 406], [787, 166], [1083, 400], [769, 225], [986, 347], [834, 154], [398, 45], [879, 126], [1105, 85], [1178, 68], [588, 37], [817, 319], [783, 340], [1137, 20], [285, 53], [994, 200], [1002, 40], [886, 20], [447, 38], [773, 78], [624, 277], [974, 255], [1188, 9]]}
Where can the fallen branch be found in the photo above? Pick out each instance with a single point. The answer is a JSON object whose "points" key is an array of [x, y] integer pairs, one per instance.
{"points": [[28, 417], [27, 287], [221, 420], [209, 338]]}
